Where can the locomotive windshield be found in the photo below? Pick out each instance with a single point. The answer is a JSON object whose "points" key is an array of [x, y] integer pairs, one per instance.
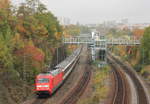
{"points": [[43, 80]]}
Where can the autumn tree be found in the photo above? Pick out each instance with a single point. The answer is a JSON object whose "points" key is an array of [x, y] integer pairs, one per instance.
{"points": [[145, 47], [72, 30], [138, 33]]}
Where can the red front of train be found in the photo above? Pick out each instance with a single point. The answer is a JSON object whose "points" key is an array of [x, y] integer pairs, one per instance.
{"points": [[47, 83]]}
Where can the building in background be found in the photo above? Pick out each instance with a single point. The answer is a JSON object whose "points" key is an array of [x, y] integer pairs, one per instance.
{"points": [[133, 26], [64, 20]]}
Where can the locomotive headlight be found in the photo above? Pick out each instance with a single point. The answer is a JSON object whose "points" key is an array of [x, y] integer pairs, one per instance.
{"points": [[42, 85], [38, 86], [45, 85]]}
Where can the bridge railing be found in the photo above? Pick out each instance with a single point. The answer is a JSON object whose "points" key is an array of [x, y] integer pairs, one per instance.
{"points": [[89, 40], [123, 42], [77, 40]]}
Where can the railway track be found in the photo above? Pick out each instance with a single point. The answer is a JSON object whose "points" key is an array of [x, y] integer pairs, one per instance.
{"points": [[77, 91], [40, 101], [36, 100], [120, 90], [142, 97]]}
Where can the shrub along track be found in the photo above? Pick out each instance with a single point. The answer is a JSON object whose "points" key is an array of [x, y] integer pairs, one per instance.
{"points": [[142, 96]]}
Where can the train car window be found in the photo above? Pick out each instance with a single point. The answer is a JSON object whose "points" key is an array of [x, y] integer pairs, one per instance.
{"points": [[54, 72], [43, 80]]}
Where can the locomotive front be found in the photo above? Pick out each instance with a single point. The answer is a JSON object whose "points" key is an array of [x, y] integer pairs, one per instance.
{"points": [[43, 84]]}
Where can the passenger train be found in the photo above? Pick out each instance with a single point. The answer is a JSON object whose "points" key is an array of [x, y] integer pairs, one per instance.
{"points": [[49, 82]]}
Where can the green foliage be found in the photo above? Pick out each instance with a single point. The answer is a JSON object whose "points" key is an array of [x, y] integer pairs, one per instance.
{"points": [[6, 34], [72, 30], [145, 47]]}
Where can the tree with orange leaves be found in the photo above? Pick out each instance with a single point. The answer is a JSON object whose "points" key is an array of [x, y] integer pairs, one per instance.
{"points": [[138, 33]]}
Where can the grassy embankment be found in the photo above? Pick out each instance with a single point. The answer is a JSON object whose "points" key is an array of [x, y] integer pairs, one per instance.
{"points": [[99, 86]]}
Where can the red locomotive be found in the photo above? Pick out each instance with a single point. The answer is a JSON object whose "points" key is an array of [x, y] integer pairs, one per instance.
{"points": [[47, 83]]}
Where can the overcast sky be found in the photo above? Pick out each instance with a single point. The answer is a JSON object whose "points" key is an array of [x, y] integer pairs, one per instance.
{"points": [[96, 11]]}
